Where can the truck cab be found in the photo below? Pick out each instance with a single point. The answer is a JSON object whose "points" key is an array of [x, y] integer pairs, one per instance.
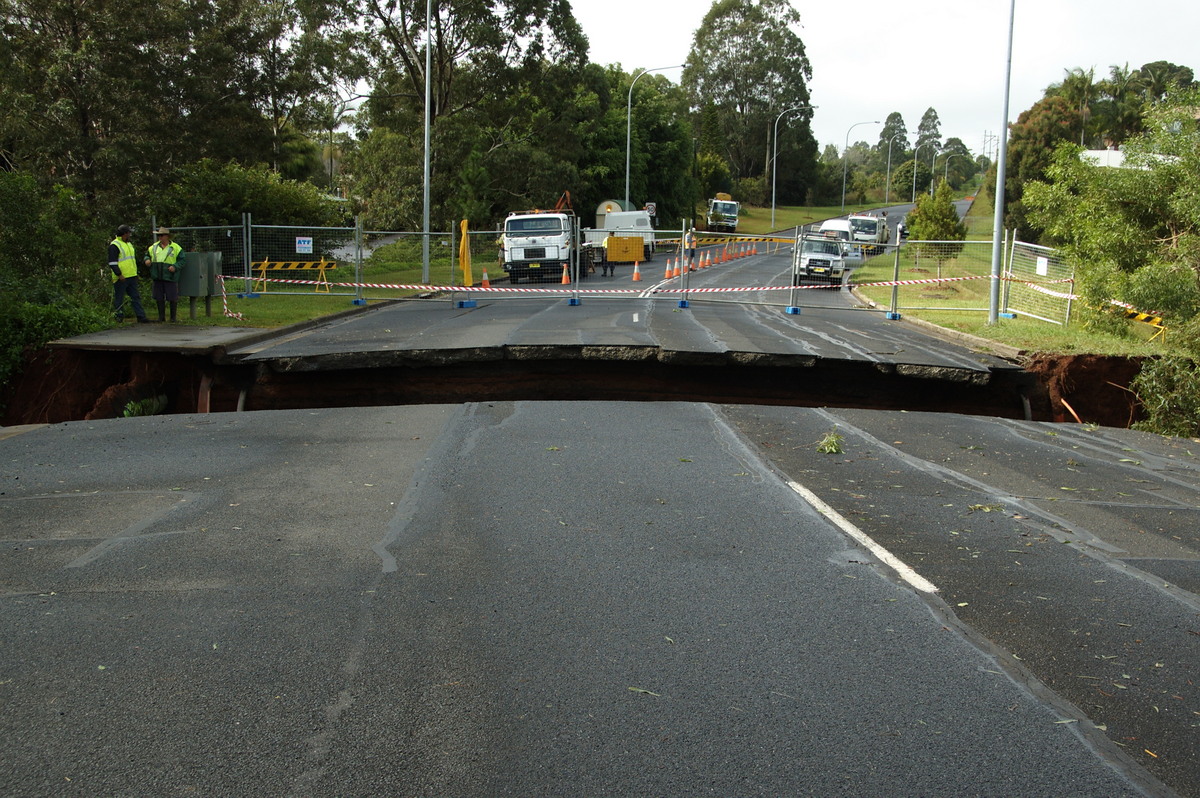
{"points": [[820, 258], [538, 244], [870, 232], [723, 214]]}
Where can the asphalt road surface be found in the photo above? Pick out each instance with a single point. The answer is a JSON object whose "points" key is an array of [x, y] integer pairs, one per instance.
{"points": [[542, 598]]}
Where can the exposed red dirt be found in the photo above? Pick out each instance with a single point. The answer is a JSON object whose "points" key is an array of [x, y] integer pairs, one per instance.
{"points": [[1092, 389]]}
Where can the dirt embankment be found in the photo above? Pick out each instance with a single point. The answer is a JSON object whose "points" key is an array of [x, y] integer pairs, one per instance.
{"points": [[70, 385], [1092, 389]]}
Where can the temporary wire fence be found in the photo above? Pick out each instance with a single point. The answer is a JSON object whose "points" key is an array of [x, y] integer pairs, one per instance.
{"points": [[372, 265]]}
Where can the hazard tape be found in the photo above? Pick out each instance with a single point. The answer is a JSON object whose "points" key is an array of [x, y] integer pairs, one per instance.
{"points": [[225, 301], [1149, 318]]}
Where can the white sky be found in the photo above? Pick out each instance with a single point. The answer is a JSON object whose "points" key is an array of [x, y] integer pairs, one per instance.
{"points": [[911, 55]]}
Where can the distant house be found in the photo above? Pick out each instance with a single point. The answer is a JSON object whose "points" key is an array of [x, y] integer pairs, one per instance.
{"points": [[1113, 158]]}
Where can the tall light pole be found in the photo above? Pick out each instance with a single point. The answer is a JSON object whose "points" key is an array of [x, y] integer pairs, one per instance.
{"points": [[846, 159], [998, 194], [887, 184], [933, 169], [946, 165], [775, 153], [629, 123], [918, 149], [425, 193]]}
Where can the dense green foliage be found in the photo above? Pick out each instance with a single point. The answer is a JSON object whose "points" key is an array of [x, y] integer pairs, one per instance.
{"points": [[1135, 233]]}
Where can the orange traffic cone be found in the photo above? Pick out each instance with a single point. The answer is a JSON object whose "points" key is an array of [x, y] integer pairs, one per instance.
{"points": [[566, 278], [486, 283], [637, 274], [667, 272], [676, 271]]}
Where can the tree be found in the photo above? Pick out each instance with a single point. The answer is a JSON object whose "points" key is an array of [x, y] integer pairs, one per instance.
{"points": [[935, 220], [929, 132], [1131, 229], [208, 193], [769, 73], [1135, 234], [477, 47], [1081, 91], [1156, 79], [957, 162], [893, 140], [1120, 111], [1032, 141]]}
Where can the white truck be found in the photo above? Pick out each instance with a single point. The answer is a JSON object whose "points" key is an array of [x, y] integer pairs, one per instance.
{"points": [[611, 221], [869, 231], [723, 214], [538, 244]]}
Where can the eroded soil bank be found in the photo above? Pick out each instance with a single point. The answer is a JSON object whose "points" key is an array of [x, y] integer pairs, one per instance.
{"points": [[70, 385]]}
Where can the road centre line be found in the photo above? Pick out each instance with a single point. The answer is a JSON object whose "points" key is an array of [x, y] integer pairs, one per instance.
{"points": [[906, 573]]}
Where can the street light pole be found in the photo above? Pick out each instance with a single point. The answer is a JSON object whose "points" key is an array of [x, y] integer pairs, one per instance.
{"points": [[933, 170], [946, 165], [1001, 166], [425, 197], [914, 188], [887, 183], [629, 123], [775, 153], [845, 158]]}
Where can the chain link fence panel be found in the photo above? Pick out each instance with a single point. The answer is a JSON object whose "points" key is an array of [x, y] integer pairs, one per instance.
{"points": [[1040, 283]]}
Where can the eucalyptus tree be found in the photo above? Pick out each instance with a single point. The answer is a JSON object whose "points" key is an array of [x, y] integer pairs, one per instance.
{"points": [[748, 63], [929, 131], [507, 81]]}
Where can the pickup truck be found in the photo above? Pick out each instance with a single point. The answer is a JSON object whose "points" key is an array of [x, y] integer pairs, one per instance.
{"points": [[820, 259]]}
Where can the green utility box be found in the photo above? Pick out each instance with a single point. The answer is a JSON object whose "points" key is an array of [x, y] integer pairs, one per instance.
{"points": [[199, 279]]}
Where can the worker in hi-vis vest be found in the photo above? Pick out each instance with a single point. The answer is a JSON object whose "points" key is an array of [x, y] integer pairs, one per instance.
{"points": [[166, 260], [122, 261]]}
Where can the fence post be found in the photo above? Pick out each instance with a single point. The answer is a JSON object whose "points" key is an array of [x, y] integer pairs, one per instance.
{"points": [[247, 251], [359, 298], [893, 313]]}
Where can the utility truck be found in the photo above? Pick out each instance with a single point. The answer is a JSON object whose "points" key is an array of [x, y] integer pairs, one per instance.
{"points": [[723, 214], [612, 221], [870, 232], [538, 244]]}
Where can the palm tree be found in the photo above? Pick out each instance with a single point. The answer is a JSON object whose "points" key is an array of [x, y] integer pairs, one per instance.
{"points": [[1080, 89], [1122, 109]]}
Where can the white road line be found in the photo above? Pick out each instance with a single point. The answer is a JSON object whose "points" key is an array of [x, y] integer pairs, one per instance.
{"points": [[910, 576]]}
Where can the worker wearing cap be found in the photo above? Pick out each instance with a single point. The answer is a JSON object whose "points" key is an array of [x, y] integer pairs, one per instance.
{"points": [[122, 261], [166, 260]]}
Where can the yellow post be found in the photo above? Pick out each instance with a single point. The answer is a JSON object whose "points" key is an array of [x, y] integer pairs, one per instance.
{"points": [[464, 254]]}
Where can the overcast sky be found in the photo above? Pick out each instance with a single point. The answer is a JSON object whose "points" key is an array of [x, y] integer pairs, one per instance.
{"points": [[871, 59]]}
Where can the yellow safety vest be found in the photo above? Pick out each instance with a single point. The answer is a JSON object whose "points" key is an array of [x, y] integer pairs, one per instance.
{"points": [[167, 254], [127, 260]]}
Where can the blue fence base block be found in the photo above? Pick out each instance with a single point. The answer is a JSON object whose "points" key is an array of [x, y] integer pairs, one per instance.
{"points": [[892, 316], [792, 310], [1007, 315], [358, 301], [248, 296], [466, 303], [574, 301], [683, 303]]}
